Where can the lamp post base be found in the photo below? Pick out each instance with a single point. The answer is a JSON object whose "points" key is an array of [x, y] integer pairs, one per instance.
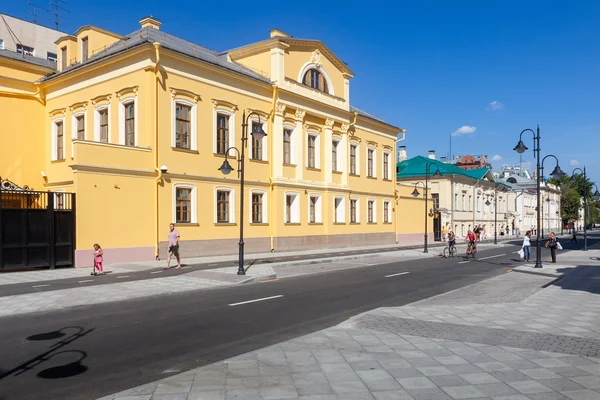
{"points": [[242, 272]]}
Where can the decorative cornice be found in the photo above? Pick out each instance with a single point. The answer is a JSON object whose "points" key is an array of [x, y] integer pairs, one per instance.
{"points": [[337, 134], [127, 90], [355, 138], [372, 143], [387, 147], [182, 92], [98, 99], [288, 121], [345, 127], [259, 112], [280, 109], [76, 106], [329, 123], [57, 112], [300, 114], [225, 104], [313, 128]]}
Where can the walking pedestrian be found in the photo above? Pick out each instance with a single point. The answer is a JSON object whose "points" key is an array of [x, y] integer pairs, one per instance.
{"points": [[526, 246], [443, 234], [552, 244], [98, 260], [574, 238], [173, 246]]}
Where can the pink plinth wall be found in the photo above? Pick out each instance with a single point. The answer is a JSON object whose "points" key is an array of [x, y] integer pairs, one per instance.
{"points": [[84, 258], [414, 239]]}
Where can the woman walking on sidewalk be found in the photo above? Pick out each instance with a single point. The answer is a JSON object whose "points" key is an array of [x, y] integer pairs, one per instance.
{"points": [[552, 244], [98, 259], [526, 246]]}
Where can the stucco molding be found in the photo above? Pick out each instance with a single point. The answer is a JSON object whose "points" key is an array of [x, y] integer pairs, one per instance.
{"points": [[354, 138], [111, 170], [132, 90], [387, 147], [337, 134], [59, 112], [280, 109], [313, 128], [175, 93], [329, 122], [372, 143], [300, 114], [224, 104], [261, 113], [77, 106], [101, 99]]}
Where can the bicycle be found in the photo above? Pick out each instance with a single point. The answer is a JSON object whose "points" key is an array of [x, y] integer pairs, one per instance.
{"points": [[449, 251], [471, 250]]}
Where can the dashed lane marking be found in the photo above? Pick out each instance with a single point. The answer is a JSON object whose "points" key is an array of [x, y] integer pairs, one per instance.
{"points": [[36, 286], [255, 300], [464, 262], [487, 258], [401, 273], [124, 276]]}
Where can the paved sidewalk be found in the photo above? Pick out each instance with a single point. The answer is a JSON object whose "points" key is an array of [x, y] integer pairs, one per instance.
{"points": [[507, 338]]}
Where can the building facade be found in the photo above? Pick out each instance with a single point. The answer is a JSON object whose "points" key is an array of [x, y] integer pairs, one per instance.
{"points": [[138, 126], [28, 39], [471, 162]]}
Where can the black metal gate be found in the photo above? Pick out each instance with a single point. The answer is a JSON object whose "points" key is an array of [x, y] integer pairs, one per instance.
{"points": [[37, 229], [437, 227]]}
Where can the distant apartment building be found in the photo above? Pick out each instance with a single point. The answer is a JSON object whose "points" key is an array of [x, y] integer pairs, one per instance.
{"points": [[29, 39]]}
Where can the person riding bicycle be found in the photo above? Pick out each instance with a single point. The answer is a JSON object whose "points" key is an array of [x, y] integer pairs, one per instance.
{"points": [[471, 239], [451, 239]]}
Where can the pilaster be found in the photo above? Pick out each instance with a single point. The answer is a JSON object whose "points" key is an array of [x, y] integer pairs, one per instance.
{"points": [[277, 141], [345, 151], [299, 136], [327, 147]]}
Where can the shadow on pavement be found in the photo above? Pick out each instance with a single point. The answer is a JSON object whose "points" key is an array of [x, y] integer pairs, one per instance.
{"points": [[583, 278]]}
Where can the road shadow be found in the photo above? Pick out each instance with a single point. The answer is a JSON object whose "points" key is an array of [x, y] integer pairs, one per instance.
{"points": [[70, 362], [584, 278]]}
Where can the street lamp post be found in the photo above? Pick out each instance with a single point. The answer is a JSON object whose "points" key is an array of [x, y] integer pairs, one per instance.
{"points": [[487, 203], [595, 196], [548, 212], [521, 148], [258, 133], [416, 193], [585, 218]]}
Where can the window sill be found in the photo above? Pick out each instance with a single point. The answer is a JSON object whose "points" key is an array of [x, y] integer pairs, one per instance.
{"points": [[259, 224], [354, 223], [292, 223], [358, 176], [313, 169], [372, 177], [259, 161], [387, 223], [57, 161], [223, 155], [337, 172], [315, 223], [289, 165], [106, 144], [371, 223], [225, 224], [184, 150], [178, 224], [339, 223], [387, 180]]}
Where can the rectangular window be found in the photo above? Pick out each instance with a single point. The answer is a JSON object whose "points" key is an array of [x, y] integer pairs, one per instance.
{"points": [[183, 201], [183, 121], [103, 125], [130, 124], [313, 209], [370, 163], [334, 155], [256, 144], [222, 133], [287, 146], [222, 206], [436, 200], [63, 58], [60, 201], [338, 210], [311, 151], [289, 201], [59, 141], [370, 210], [80, 127], [257, 208], [386, 211], [353, 211], [28, 51], [386, 166], [84, 49], [1, 44], [353, 160], [51, 56]]}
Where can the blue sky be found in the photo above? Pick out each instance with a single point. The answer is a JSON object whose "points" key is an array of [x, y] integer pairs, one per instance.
{"points": [[431, 67]]}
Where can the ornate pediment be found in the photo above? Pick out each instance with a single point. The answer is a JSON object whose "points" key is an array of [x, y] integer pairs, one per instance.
{"points": [[5, 184]]}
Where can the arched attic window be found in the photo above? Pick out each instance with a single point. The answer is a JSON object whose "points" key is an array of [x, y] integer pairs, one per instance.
{"points": [[511, 180], [316, 80]]}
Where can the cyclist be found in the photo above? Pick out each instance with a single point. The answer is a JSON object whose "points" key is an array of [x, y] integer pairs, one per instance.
{"points": [[451, 239], [471, 239]]}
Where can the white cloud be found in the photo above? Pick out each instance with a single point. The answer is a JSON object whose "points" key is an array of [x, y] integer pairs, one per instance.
{"points": [[573, 163], [496, 105], [497, 158], [464, 130]]}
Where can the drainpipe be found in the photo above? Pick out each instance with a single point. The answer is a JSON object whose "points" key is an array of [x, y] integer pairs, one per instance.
{"points": [[156, 165], [396, 196], [474, 194], [271, 178], [452, 203]]}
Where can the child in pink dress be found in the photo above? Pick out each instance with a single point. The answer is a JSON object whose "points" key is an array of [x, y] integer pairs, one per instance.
{"points": [[97, 260]]}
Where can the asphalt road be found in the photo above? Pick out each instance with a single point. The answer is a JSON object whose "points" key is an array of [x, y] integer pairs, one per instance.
{"points": [[89, 352], [85, 280]]}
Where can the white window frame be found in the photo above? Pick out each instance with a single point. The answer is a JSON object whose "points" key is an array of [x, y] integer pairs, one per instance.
{"points": [[337, 155], [1, 44], [374, 162], [54, 142], [231, 204], [23, 50], [265, 142], [357, 210], [122, 103], [264, 206], [193, 122], [193, 203], [74, 129], [339, 215], [97, 122], [389, 171], [389, 211], [318, 208], [295, 209], [48, 56], [317, 149], [291, 128], [374, 211], [312, 65], [231, 115], [357, 152]]}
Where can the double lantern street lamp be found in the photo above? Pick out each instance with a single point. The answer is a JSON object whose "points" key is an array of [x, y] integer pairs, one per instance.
{"points": [[585, 209], [257, 133], [416, 193], [487, 203], [557, 173]]}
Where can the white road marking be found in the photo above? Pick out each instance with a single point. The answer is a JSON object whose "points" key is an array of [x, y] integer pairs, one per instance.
{"points": [[255, 300], [498, 255], [463, 262], [87, 280], [401, 273], [40, 285], [121, 277], [156, 272]]}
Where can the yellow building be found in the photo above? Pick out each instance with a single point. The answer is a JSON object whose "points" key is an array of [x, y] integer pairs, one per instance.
{"points": [[138, 126]]}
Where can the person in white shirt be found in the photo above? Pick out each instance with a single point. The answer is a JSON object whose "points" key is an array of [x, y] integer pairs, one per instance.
{"points": [[527, 246]]}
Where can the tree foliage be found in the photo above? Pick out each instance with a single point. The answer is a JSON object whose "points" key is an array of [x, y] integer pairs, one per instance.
{"points": [[573, 189]]}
